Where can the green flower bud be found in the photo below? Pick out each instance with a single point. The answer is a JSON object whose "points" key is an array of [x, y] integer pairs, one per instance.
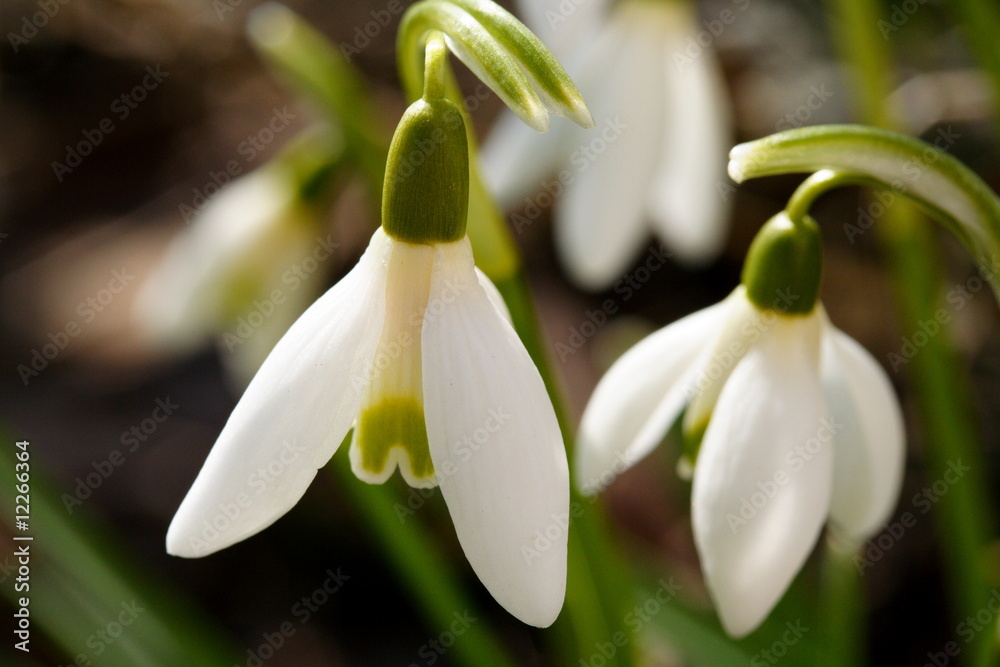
{"points": [[426, 192], [783, 266]]}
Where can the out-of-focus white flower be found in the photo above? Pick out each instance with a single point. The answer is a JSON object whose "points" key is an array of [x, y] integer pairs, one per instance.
{"points": [[659, 151], [217, 278]]}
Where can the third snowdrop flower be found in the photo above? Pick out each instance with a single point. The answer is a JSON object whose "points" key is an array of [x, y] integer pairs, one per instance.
{"points": [[657, 155], [413, 349], [786, 420]]}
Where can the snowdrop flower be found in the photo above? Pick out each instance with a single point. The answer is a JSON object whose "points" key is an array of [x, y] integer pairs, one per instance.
{"points": [[787, 419], [219, 277], [659, 151], [413, 350]]}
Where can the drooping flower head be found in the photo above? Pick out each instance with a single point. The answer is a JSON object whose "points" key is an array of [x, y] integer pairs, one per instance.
{"points": [[413, 349], [786, 422]]}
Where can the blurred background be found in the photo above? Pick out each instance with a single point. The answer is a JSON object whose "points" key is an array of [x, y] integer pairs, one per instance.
{"points": [[173, 102]]}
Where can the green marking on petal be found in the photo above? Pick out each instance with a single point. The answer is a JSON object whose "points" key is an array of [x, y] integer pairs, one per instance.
{"points": [[391, 433]]}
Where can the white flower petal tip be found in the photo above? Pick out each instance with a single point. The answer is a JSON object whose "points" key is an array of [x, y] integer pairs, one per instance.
{"points": [[495, 443], [762, 483], [292, 417]]}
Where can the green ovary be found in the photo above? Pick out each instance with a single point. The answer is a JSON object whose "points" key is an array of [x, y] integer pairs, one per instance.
{"points": [[393, 423]]}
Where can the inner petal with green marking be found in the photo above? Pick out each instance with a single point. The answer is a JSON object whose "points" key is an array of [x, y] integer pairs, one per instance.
{"points": [[390, 430]]}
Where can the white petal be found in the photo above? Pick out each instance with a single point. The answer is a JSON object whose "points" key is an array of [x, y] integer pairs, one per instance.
{"points": [[762, 481], [181, 304], [600, 223], [743, 326], [870, 439], [627, 397], [495, 443], [494, 295], [292, 417], [564, 27], [687, 204]]}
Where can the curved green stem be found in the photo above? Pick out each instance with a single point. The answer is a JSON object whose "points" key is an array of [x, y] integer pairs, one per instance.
{"points": [[965, 517]]}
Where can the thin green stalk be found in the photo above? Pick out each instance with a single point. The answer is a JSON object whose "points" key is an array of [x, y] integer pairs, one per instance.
{"points": [[843, 637], [965, 517], [421, 566]]}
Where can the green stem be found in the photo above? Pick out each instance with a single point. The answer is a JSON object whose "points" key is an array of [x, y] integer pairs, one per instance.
{"points": [[965, 517], [420, 564], [843, 607]]}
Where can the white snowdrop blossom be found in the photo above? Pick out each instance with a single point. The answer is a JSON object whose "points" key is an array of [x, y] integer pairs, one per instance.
{"points": [[656, 157], [413, 349], [786, 419], [217, 279]]}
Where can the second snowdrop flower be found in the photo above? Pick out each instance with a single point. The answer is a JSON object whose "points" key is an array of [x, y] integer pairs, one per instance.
{"points": [[786, 421]]}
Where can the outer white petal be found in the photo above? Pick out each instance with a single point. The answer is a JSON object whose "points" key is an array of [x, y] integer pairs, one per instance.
{"points": [[600, 223], [627, 397], [180, 304], [688, 208], [495, 443], [564, 27], [762, 481], [292, 417], [494, 295], [870, 437]]}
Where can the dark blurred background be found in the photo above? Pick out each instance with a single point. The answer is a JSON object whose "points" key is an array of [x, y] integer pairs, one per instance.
{"points": [[68, 235]]}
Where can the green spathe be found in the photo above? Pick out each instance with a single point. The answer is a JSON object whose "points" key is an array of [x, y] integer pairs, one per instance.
{"points": [[783, 266], [426, 196], [394, 423]]}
